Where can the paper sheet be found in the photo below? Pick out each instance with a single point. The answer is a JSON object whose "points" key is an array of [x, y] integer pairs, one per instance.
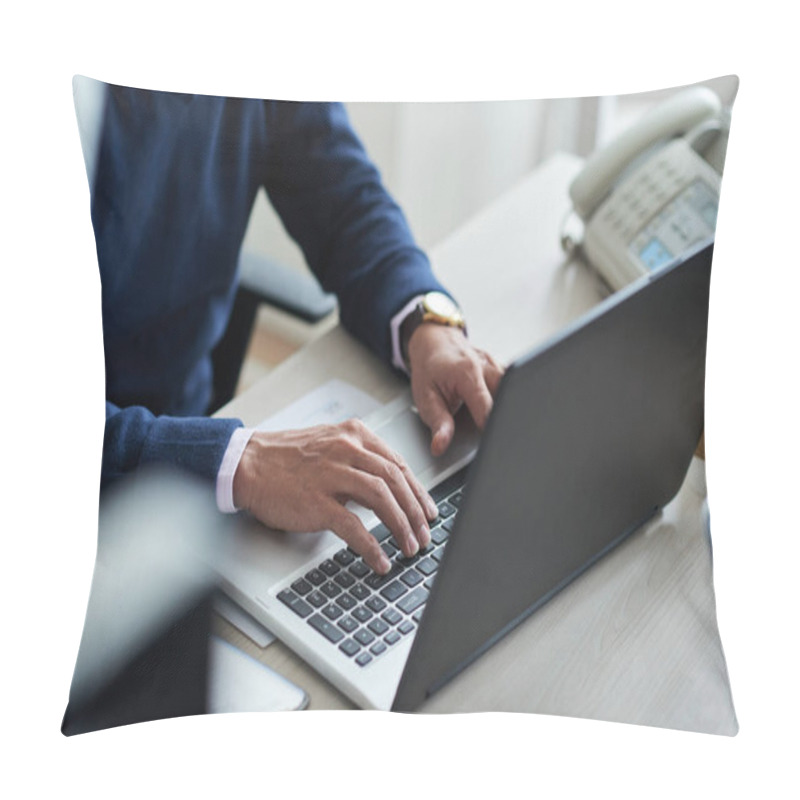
{"points": [[242, 621], [333, 402]]}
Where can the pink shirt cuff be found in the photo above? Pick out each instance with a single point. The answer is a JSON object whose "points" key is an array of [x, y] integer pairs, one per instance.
{"points": [[227, 469], [397, 321]]}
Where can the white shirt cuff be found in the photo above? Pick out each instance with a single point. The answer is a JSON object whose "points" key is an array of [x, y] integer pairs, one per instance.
{"points": [[227, 469], [394, 327]]}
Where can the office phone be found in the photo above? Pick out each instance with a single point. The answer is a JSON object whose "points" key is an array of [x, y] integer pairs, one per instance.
{"points": [[653, 193]]}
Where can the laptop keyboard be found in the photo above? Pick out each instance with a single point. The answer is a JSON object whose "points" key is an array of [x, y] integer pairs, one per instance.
{"points": [[362, 613]]}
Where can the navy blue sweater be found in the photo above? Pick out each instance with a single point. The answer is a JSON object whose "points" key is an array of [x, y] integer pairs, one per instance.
{"points": [[175, 182]]}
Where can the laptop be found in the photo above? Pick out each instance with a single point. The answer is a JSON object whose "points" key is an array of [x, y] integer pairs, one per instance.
{"points": [[590, 436]]}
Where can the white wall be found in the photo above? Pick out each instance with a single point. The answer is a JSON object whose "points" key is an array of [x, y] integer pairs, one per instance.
{"points": [[443, 162]]}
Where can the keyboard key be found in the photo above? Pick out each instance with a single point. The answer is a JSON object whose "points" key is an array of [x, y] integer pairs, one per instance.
{"points": [[344, 557], [347, 624], [389, 549], [392, 616], [377, 648], [406, 627], [427, 566], [360, 592], [445, 509], [332, 612], [414, 600], [439, 535], [363, 659], [448, 524], [438, 554], [359, 569], [391, 637], [364, 637], [329, 567], [378, 627], [375, 581], [407, 561], [316, 577], [345, 580], [297, 604], [429, 583], [381, 532], [349, 647], [393, 591], [330, 632], [453, 484], [456, 499], [375, 604], [346, 601], [317, 599], [331, 589], [418, 615], [362, 614], [302, 586], [411, 578]]}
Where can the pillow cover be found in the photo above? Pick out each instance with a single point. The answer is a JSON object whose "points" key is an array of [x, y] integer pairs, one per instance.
{"points": [[174, 181]]}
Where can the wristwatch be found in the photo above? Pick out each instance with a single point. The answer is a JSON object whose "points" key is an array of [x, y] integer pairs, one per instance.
{"points": [[433, 307]]}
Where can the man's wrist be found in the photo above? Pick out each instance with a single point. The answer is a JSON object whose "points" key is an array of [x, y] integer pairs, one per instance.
{"points": [[434, 308]]}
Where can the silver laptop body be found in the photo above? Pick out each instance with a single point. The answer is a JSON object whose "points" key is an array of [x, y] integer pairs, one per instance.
{"points": [[591, 434]]}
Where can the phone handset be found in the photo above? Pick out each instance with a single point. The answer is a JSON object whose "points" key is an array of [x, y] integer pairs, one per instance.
{"points": [[631, 194], [674, 117]]}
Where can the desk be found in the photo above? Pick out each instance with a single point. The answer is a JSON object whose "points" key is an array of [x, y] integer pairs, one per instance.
{"points": [[635, 638]]}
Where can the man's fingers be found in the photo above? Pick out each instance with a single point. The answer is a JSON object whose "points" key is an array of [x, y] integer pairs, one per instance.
{"points": [[304, 478], [395, 471], [396, 506], [383, 482], [475, 393], [436, 415], [477, 385], [392, 468], [492, 372], [348, 527]]}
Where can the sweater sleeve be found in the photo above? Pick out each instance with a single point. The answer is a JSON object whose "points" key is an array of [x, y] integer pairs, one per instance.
{"points": [[135, 437], [354, 236]]}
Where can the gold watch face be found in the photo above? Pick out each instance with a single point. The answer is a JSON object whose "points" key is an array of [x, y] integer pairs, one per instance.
{"points": [[440, 306]]}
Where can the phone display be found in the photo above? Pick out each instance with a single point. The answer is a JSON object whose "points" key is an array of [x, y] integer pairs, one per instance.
{"points": [[690, 218]]}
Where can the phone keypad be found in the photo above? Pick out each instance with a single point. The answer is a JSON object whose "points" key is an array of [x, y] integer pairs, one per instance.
{"points": [[640, 199]]}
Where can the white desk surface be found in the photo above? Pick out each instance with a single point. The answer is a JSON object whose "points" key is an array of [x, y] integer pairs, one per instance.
{"points": [[635, 638]]}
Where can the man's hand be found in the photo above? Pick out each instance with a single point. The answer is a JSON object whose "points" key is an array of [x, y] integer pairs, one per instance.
{"points": [[446, 371], [300, 481]]}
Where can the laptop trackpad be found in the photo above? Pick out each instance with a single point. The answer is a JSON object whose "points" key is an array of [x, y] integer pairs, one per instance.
{"points": [[399, 425]]}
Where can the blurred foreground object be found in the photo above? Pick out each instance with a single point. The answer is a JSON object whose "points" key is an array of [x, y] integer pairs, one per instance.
{"points": [[144, 650]]}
